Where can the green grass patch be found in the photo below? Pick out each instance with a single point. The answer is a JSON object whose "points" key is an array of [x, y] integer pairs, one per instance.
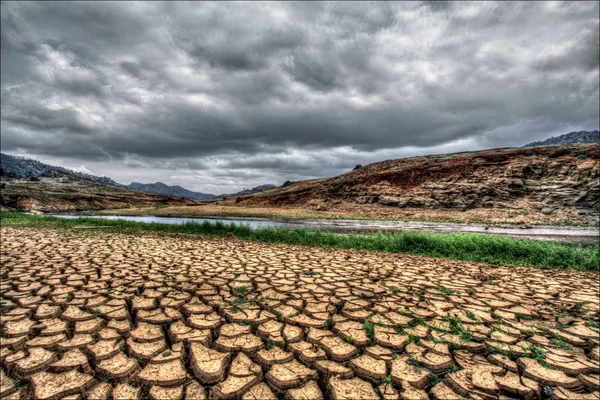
{"points": [[483, 248]]}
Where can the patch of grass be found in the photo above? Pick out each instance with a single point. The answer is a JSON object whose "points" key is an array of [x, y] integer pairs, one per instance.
{"points": [[560, 343], [17, 383], [413, 339], [434, 379], [459, 329], [593, 324], [329, 323], [524, 317], [483, 248], [242, 290], [369, 330], [445, 291], [471, 316], [386, 380], [529, 332], [413, 360], [537, 353], [97, 313]]}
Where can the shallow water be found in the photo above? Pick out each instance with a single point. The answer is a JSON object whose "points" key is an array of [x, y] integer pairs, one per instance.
{"points": [[150, 219]]}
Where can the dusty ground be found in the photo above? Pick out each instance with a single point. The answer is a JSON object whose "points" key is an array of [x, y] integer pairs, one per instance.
{"points": [[100, 314], [346, 210]]}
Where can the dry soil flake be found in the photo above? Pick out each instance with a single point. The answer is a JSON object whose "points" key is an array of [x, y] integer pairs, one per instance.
{"points": [[350, 389], [368, 368], [164, 374], [208, 364], [119, 366], [53, 386], [290, 375], [166, 393], [310, 391], [533, 369], [403, 371], [243, 374], [124, 391], [260, 391]]}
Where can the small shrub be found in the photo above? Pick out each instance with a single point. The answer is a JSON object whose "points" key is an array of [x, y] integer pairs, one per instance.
{"points": [[369, 330]]}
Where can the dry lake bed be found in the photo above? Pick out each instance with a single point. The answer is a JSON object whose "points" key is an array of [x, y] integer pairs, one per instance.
{"points": [[97, 315]]}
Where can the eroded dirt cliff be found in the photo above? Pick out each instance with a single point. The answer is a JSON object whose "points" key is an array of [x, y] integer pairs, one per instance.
{"points": [[553, 182]]}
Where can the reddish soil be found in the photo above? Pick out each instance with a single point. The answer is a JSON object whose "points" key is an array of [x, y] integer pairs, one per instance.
{"points": [[542, 184]]}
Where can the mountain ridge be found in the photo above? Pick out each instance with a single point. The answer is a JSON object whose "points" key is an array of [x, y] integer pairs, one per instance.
{"points": [[170, 190], [568, 138], [17, 167]]}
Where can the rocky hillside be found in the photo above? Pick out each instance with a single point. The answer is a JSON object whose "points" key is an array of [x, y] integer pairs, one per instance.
{"points": [[176, 191], [14, 167], [52, 194], [245, 192], [557, 183], [569, 138]]}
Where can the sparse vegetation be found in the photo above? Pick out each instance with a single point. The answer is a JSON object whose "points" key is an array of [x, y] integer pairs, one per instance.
{"points": [[369, 330]]}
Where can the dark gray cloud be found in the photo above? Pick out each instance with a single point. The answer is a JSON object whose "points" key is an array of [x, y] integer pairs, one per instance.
{"points": [[219, 96]]}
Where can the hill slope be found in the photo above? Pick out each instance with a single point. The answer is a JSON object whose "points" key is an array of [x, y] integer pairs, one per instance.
{"points": [[176, 191], [245, 192], [552, 183], [14, 167], [569, 138], [52, 194]]}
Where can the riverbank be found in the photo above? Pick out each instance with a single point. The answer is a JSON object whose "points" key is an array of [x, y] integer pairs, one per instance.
{"points": [[490, 217], [497, 250], [562, 234]]}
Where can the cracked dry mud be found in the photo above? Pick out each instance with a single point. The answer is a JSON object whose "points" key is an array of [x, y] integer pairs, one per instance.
{"points": [[105, 315]]}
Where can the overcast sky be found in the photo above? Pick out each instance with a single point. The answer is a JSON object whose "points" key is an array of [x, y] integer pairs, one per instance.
{"points": [[217, 97]]}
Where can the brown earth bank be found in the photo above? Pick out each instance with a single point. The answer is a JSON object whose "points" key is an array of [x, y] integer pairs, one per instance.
{"points": [[60, 195], [541, 184], [101, 315]]}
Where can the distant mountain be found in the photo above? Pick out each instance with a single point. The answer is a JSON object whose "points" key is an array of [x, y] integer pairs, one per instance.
{"points": [[15, 167], [176, 191], [246, 192], [569, 138]]}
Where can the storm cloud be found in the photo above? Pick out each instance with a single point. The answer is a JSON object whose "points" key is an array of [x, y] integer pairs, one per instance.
{"points": [[221, 96]]}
